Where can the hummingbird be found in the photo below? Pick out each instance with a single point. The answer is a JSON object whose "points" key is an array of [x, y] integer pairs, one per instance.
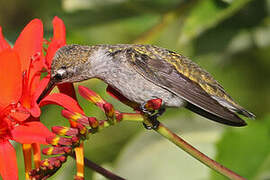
{"points": [[144, 72]]}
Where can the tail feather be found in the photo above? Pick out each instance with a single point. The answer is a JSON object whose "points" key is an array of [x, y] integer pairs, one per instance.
{"points": [[234, 107], [233, 121], [246, 113]]}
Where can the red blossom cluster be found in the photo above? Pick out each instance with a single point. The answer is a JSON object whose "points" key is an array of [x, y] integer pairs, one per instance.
{"points": [[82, 126], [21, 67]]}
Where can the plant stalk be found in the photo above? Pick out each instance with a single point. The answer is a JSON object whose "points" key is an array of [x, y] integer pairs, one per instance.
{"points": [[178, 141]]}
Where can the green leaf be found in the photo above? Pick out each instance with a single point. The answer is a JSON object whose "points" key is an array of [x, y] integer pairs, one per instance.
{"points": [[246, 150], [206, 14]]}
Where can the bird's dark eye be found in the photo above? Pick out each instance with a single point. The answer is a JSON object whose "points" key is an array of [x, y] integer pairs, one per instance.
{"points": [[58, 77]]}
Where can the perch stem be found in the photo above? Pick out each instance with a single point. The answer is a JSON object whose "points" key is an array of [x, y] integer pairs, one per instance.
{"points": [[178, 141]]}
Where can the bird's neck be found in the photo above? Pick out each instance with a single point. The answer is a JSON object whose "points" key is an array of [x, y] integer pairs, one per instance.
{"points": [[99, 64]]}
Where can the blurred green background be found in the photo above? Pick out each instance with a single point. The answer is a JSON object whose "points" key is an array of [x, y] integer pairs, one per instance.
{"points": [[229, 38]]}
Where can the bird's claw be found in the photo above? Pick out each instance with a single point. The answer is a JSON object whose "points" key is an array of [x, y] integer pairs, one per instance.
{"points": [[145, 110], [151, 113], [154, 125]]}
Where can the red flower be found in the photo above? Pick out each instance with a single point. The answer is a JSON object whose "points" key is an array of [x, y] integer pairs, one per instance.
{"points": [[20, 70], [21, 85]]}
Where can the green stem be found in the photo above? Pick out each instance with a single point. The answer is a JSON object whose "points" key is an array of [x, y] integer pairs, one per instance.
{"points": [[165, 132], [181, 143], [132, 117]]}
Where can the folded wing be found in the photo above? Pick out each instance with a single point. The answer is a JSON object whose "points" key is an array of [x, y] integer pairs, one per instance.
{"points": [[166, 75]]}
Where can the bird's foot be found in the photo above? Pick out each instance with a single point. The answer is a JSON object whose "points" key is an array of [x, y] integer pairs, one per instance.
{"points": [[154, 124], [152, 109]]}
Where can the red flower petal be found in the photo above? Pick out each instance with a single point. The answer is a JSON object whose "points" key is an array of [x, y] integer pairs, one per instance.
{"points": [[91, 96], [31, 132], [58, 40], [76, 117], [34, 77], [19, 116], [10, 78], [3, 43], [29, 43], [53, 47], [35, 110], [42, 85], [8, 161], [59, 30], [62, 100]]}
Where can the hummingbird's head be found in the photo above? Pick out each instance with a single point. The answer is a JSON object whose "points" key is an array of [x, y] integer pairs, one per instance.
{"points": [[69, 62]]}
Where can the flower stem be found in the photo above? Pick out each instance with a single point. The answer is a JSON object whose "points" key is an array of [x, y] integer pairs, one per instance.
{"points": [[165, 132], [79, 160], [27, 154], [37, 154], [101, 170], [132, 117]]}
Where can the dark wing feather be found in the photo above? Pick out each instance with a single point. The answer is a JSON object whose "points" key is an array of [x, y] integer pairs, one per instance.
{"points": [[165, 75]]}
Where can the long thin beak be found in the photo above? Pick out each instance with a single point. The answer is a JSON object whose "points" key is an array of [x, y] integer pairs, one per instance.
{"points": [[49, 87]]}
